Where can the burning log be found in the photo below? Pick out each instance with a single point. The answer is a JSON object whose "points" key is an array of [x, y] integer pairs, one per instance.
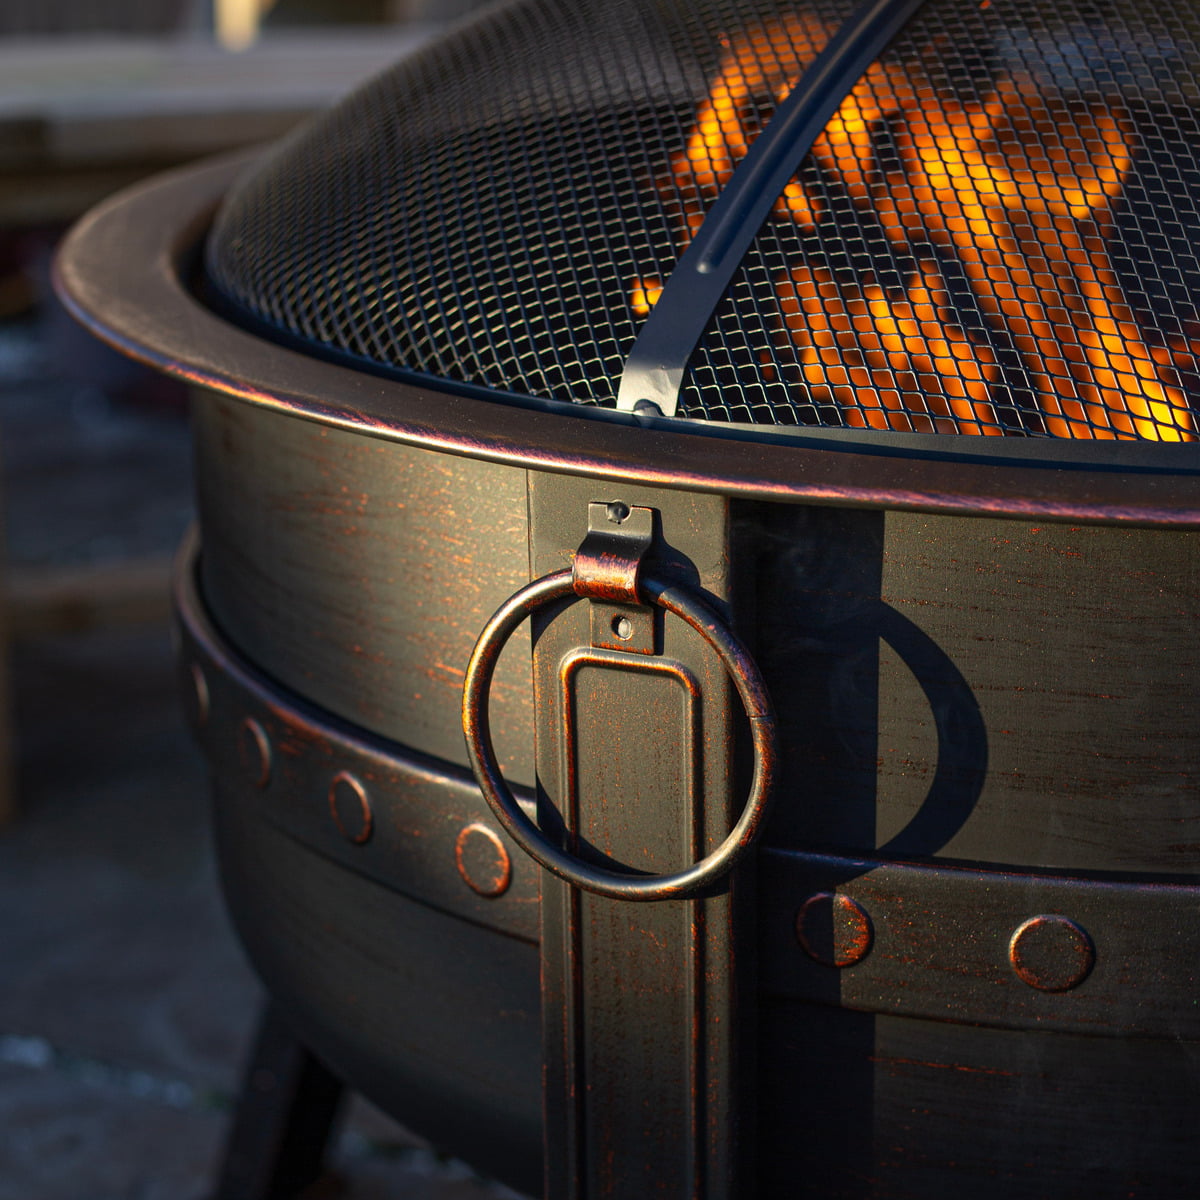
{"points": [[1019, 186]]}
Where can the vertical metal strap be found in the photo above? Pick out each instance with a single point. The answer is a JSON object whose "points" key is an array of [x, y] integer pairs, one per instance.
{"points": [[655, 369], [643, 1082]]}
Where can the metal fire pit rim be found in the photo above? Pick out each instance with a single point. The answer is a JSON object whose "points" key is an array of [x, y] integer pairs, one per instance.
{"points": [[121, 272]]}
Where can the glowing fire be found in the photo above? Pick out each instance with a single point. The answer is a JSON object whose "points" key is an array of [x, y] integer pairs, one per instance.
{"points": [[1019, 187]]}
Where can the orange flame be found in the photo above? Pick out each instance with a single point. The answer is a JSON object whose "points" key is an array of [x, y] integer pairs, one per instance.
{"points": [[1019, 186]]}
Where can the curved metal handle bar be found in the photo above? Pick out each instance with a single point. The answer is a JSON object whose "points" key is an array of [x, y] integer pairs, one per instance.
{"points": [[690, 881], [658, 362]]}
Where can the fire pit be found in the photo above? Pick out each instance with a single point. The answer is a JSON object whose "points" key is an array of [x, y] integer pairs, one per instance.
{"points": [[768, 432]]}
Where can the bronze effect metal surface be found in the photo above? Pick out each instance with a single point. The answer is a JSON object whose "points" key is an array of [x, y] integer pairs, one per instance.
{"points": [[344, 568], [644, 1008], [199, 696], [254, 748], [373, 807], [834, 929], [609, 561], [350, 808], [483, 860], [985, 948], [124, 273], [691, 881], [943, 942], [1051, 953]]}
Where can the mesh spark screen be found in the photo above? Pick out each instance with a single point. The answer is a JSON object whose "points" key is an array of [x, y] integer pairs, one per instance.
{"points": [[996, 234]]}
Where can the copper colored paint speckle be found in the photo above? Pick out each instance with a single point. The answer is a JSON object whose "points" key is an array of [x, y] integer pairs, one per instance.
{"points": [[482, 860], [350, 808], [116, 274], [1051, 953], [834, 930], [200, 696], [254, 750]]}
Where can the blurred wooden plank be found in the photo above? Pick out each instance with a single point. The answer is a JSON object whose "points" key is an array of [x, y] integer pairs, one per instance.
{"points": [[74, 599], [48, 196], [75, 111]]}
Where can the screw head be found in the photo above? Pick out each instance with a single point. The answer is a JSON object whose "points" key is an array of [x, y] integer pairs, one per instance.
{"points": [[254, 750], [834, 930], [623, 628], [351, 808], [482, 860], [1051, 953]]}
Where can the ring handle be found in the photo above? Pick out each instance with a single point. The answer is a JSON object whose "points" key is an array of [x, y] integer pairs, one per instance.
{"points": [[690, 881]]}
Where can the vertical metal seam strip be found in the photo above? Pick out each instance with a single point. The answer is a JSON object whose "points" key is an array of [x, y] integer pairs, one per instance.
{"points": [[658, 362]]}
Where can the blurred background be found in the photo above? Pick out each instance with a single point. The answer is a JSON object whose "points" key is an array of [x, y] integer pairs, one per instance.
{"points": [[126, 1007]]}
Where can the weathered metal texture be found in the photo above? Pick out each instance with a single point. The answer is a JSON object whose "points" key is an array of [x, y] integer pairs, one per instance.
{"points": [[124, 273], [432, 1017], [985, 948], [1080, 648], [833, 929], [883, 1106], [1012, 708], [608, 563], [1052, 953], [696, 878], [986, 723], [899, 649], [344, 931], [376, 808], [358, 573], [982, 692], [350, 808], [647, 1085], [942, 941]]}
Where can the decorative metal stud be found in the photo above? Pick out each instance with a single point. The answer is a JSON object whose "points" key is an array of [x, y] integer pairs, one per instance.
{"points": [[351, 808], [1051, 953], [834, 930], [483, 860], [254, 749], [201, 701]]}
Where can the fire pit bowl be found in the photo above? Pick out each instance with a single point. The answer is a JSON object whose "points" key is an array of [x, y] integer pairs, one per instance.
{"points": [[824, 636]]}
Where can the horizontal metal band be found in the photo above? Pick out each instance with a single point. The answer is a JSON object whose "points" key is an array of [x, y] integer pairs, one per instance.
{"points": [[977, 947], [982, 947], [415, 825]]}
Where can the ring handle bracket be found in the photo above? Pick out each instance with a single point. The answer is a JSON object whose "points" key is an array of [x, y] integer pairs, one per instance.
{"points": [[609, 569], [609, 561]]}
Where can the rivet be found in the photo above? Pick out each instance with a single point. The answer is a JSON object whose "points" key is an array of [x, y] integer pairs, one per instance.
{"points": [[623, 628], [482, 860], [254, 749], [200, 697], [351, 808], [1051, 953], [617, 512], [834, 930]]}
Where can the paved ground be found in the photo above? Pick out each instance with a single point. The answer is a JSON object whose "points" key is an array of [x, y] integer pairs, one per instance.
{"points": [[126, 1005]]}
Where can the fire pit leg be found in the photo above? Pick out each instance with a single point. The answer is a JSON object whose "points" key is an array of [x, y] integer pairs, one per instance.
{"points": [[284, 1117]]}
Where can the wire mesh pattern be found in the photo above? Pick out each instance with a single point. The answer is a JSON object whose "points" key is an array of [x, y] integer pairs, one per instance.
{"points": [[996, 234]]}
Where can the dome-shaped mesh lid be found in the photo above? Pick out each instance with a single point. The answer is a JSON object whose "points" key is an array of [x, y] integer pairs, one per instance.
{"points": [[996, 233]]}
